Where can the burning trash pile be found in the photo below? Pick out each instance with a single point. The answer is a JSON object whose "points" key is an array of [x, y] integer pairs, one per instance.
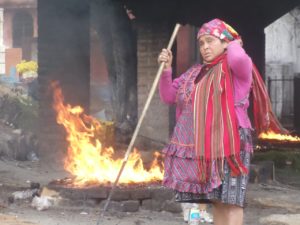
{"points": [[271, 140], [279, 137], [88, 160]]}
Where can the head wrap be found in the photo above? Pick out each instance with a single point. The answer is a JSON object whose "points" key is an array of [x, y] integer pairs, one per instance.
{"points": [[219, 29]]}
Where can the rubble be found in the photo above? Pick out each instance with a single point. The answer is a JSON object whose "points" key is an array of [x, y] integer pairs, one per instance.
{"points": [[41, 203], [26, 194]]}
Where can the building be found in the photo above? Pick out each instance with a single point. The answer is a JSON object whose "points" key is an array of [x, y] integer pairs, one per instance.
{"points": [[283, 63], [18, 32], [86, 43]]}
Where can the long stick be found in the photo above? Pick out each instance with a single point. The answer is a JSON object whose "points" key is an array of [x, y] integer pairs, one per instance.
{"points": [[138, 126]]}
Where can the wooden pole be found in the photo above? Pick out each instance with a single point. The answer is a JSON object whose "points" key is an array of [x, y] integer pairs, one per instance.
{"points": [[138, 126]]}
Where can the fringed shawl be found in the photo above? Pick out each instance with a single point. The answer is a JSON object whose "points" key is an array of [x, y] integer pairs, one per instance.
{"points": [[216, 129]]}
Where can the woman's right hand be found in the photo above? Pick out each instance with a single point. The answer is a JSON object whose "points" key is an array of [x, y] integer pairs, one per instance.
{"points": [[166, 57]]}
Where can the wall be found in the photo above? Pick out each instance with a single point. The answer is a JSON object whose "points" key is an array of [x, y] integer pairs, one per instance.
{"points": [[283, 62], [64, 56], [283, 40], [151, 38]]}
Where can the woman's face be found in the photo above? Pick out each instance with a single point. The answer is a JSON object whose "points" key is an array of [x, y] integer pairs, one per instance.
{"points": [[211, 47]]}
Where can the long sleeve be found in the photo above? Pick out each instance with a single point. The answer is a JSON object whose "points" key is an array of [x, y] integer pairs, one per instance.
{"points": [[241, 66], [168, 88], [239, 62]]}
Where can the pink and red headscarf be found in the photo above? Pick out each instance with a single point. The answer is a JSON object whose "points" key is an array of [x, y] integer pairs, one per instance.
{"points": [[219, 29]]}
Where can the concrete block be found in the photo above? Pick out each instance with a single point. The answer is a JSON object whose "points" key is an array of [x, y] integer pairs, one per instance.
{"points": [[171, 206], [152, 205], [113, 206], [121, 194], [130, 206], [162, 194], [141, 194]]}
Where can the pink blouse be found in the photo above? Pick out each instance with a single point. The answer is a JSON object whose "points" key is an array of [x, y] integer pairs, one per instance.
{"points": [[241, 67]]}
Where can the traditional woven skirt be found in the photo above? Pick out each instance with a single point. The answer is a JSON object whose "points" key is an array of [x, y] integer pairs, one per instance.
{"points": [[181, 174]]}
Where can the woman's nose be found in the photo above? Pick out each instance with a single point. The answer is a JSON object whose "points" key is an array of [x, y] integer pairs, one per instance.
{"points": [[205, 45]]}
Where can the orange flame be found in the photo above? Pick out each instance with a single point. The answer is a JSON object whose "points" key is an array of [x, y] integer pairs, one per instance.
{"points": [[87, 159], [270, 135]]}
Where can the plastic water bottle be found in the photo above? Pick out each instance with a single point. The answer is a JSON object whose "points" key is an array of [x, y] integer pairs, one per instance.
{"points": [[195, 217]]}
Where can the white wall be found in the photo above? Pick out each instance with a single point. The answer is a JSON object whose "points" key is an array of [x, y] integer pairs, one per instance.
{"points": [[283, 40], [2, 49], [283, 61]]}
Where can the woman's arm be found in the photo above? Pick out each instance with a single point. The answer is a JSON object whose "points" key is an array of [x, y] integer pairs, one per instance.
{"points": [[238, 60], [167, 87]]}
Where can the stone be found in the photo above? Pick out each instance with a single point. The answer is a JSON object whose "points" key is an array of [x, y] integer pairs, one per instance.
{"points": [[140, 194], [172, 206], [71, 203], [130, 206], [152, 205], [162, 193], [121, 194], [96, 192], [113, 206]]}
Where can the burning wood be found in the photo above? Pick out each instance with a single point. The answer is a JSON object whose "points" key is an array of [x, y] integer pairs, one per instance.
{"points": [[270, 135], [87, 159], [271, 140]]}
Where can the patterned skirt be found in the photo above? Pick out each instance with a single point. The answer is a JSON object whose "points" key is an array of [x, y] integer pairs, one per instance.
{"points": [[181, 175]]}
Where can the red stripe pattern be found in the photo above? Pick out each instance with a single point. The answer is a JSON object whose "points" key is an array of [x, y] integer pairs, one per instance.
{"points": [[216, 128], [264, 118]]}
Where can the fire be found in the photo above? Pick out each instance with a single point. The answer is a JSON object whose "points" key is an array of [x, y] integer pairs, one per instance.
{"points": [[270, 135], [90, 162]]}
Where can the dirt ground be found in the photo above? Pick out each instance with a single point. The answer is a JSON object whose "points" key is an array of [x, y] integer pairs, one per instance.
{"points": [[15, 175]]}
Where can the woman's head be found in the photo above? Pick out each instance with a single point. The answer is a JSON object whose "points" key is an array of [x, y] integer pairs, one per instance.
{"points": [[213, 38]]}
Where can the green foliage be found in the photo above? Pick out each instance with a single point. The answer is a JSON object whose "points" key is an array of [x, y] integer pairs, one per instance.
{"points": [[22, 112]]}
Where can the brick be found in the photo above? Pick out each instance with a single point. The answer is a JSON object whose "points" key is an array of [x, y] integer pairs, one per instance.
{"points": [[130, 206], [97, 192], [152, 205], [151, 39], [141, 194], [162, 194], [171, 206], [113, 206], [66, 202], [81, 193], [121, 194]]}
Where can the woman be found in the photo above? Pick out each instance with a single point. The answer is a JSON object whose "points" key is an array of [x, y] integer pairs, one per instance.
{"points": [[208, 157]]}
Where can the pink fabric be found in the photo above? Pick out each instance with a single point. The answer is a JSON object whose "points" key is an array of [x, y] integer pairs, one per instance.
{"points": [[241, 66], [219, 29]]}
